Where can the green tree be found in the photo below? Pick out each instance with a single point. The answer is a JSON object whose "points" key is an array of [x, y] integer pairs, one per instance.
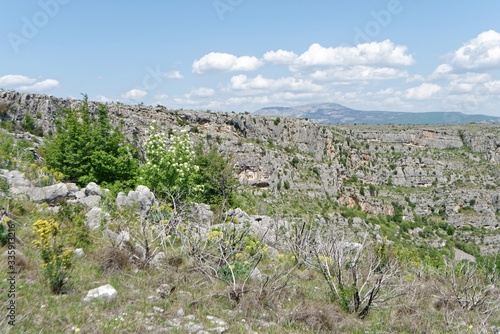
{"points": [[87, 149], [216, 176]]}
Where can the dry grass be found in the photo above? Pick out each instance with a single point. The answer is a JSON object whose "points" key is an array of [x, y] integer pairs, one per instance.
{"points": [[321, 318], [113, 259], [21, 261]]}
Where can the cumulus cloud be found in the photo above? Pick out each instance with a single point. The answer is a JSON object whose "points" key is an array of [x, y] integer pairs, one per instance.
{"points": [[174, 75], [40, 86], [103, 99], [441, 71], [280, 57], [358, 73], [493, 87], [16, 80], [383, 53], [260, 83], [202, 92], [134, 94], [24, 83], [482, 52], [225, 62], [424, 91]]}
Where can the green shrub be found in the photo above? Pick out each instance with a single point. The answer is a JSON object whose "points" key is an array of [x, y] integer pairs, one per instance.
{"points": [[4, 110], [87, 150], [215, 175], [4, 234], [4, 186]]}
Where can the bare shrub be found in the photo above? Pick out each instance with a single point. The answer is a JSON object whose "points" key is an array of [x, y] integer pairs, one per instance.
{"points": [[359, 275], [467, 285]]}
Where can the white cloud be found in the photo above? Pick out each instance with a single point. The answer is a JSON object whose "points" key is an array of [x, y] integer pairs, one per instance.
{"points": [[442, 71], [216, 61], [259, 83], [174, 75], [103, 99], [383, 53], [134, 94], [280, 57], [40, 86], [358, 73], [24, 83], [482, 52], [493, 87], [202, 92], [16, 80], [415, 77], [422, 92]]}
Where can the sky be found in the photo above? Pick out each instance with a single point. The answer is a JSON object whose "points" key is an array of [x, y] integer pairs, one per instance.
{"points": [[243, 55]]}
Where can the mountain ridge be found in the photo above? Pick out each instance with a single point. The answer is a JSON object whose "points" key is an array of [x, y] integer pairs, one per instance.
{"points": [[334, 113]]}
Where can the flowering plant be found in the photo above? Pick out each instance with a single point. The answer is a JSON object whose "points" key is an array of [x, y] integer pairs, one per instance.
{"points": [[169, 169], [57, 259]]}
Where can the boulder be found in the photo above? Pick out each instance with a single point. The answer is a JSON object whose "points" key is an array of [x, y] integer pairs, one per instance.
{"points": [[51, 194], [92, 189], [142, 197], [91, 201], [200, 214], [105, 292], [95, 217], [18, 184], [239, 215]]}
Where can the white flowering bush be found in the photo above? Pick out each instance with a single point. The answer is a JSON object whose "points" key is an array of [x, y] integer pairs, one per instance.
{"points": [[169, 169]]}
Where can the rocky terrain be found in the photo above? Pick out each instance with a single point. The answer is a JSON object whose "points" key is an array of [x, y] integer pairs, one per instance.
{"points": [[431, 190], [436, 168]]}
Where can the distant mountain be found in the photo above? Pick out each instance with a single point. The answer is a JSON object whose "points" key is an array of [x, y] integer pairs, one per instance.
{"points": [[334, 113]]}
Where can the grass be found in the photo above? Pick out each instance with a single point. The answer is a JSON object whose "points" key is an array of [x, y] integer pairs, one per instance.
{"points": [[303, 305]]}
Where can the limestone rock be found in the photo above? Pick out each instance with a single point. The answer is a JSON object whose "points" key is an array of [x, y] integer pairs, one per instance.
{"points": [[95, 217], [50, 194], [17, 182], [105, 292], [141, 197], [93, 189], [200, 214]]}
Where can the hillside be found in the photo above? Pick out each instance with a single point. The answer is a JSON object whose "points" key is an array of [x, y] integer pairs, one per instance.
{"points": [[333, 113], [430, 193]]}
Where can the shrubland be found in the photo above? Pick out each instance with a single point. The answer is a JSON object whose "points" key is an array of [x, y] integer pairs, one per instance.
{"points": [[317, 266]]}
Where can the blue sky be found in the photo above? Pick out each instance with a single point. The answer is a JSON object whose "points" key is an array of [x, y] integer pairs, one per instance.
{"points": [[242, 55]]}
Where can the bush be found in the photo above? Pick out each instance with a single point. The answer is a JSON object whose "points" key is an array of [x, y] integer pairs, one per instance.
{"points": [[169, 170], [114, 259], [4, 110], [87, 150], [215, 175], [4, 235], [57, 259]]}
